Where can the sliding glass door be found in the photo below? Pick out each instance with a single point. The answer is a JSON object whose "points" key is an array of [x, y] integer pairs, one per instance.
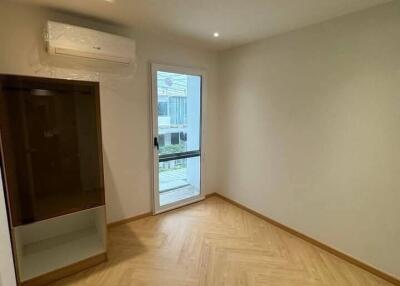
{"points": [[177, 128]]}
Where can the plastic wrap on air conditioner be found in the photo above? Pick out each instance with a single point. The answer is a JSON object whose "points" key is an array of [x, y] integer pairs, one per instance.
{"points": [[64, 39], [75, 68], [55, 32]]}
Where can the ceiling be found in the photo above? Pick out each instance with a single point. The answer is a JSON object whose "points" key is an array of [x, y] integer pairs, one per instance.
{"points": [[194, 21]]}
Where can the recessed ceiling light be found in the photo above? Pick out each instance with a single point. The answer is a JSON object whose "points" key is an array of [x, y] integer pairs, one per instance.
{"points": [[216, 35]]}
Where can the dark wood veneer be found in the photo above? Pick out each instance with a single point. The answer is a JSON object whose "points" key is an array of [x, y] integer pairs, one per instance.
{"points": [[51, 149]]}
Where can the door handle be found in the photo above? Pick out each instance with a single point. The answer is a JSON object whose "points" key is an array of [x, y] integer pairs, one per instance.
{"points": [[156, 143]]}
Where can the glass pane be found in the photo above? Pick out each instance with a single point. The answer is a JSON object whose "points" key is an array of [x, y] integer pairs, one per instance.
{"points": [[179, 101], [179, 180]]}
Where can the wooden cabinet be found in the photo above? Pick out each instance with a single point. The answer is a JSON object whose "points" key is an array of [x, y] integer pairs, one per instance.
{"points": [[51, 150]]}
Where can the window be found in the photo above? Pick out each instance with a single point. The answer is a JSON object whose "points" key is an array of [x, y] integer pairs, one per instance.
{"points": [[183, 136], [161, 140], [162, 108], [175, 138], [178, 110]]}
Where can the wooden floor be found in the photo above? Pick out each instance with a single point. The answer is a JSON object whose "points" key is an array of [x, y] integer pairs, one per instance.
{"points": [[215, 243]]}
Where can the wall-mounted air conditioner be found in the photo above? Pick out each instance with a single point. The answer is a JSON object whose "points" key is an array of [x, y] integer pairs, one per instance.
{"points": [[64, 39]]}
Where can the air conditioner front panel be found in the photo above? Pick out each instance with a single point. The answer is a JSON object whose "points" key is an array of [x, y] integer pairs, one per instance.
{"points": [[82, 42]]}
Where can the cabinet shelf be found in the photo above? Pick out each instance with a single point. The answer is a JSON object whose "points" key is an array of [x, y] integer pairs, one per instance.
{"points": [[52, 244]]}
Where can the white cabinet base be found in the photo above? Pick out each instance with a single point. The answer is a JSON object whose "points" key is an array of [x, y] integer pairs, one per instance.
{"points": [[65, 271], [51, 249]]}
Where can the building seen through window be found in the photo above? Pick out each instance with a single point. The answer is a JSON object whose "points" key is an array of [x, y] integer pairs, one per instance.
{"points": [[178, 106], [172, 111]]}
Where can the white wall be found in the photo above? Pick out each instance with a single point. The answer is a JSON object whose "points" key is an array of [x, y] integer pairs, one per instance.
{"points": [[7, 275], [311, 121], [125, 99]]}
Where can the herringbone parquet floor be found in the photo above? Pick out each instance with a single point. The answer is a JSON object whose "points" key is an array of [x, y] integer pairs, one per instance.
{"points": [[215, 243]]}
